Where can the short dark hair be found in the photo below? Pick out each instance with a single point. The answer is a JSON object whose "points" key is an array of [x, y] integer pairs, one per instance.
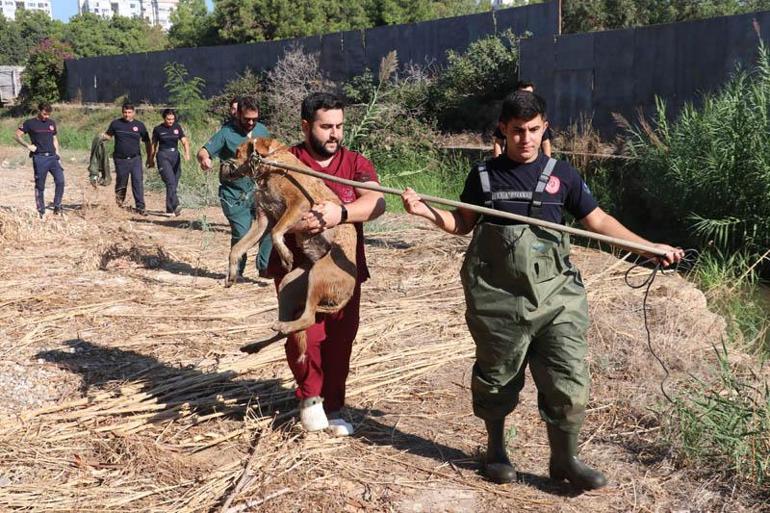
{"points": [[247, 103], [320, 101], [44, 107], [233, 101], [522, 105], [522, 84], [166, 112], [128, 106]]}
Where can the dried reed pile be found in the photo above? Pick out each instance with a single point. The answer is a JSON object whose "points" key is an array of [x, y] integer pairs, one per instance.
{"points": [[154, 409]]}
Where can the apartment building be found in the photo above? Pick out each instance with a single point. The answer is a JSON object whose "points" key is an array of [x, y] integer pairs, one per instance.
{"points": [[9, 7], [156, 12]]}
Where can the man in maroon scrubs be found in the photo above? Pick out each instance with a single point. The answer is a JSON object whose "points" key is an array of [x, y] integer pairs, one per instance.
{"points": [[321, 375]]}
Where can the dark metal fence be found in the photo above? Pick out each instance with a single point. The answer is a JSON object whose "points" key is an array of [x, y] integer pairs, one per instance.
{"points": [[342, 55], [621, 71]]}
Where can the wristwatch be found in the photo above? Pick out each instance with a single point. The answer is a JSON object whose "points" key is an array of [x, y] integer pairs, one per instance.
{"points": [[343, 214]]}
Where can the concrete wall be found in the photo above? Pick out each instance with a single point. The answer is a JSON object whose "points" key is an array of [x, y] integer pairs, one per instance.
{"points": [[598, 73], [10, 83], [342, 55]]}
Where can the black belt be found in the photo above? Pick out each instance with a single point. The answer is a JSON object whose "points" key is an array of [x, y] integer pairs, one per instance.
{"points": [[44, 154], [125, 158], [167, 149]]}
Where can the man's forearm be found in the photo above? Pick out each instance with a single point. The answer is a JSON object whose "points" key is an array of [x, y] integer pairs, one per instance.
{"points": [[611, 227], [22, 142], [366, 207]]}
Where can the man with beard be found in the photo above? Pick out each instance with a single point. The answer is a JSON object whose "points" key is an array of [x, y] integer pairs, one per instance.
{"points": [[237, 196], [322, 373]]}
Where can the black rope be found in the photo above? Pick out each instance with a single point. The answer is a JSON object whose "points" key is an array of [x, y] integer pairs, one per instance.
{"points": [[690, 256]]}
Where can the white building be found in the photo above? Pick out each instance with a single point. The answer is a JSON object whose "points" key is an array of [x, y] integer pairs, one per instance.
{"points": [[500, 4], [156, 12], [9, 7]]}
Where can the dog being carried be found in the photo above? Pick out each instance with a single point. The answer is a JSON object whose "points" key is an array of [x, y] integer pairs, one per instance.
{"points": [[323, 281]]}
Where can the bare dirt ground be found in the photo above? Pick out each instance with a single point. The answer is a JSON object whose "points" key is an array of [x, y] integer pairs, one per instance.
{"points": [[122, 387]]}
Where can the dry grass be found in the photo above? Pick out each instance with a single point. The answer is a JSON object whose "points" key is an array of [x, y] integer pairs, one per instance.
{"points": [[147, 405]]}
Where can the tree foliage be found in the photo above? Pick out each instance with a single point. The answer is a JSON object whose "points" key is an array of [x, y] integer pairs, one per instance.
{"points": [[91, 35], [12, 52], [191, 25], [592, 15], [18, 37], [246, 21]]}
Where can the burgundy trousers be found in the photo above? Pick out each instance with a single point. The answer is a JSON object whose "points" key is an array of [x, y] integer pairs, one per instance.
{"points": [[325, 368]]}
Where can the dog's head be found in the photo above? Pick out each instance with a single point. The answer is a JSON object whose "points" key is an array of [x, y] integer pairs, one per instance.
{"points": [[248, 156]]}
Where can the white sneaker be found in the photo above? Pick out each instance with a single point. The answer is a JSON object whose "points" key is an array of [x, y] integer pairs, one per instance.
{"points": [[312, 415], [340, 427]]}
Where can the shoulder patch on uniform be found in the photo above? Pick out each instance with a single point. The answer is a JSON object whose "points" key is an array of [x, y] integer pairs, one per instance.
{"points": [[553, 185], [586, 188]]}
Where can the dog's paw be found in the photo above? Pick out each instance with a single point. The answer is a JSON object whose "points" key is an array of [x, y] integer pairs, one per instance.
{"points": [[280, 327]]}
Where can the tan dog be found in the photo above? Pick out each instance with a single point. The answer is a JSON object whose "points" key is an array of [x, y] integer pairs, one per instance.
{"points": [[324, 280]]}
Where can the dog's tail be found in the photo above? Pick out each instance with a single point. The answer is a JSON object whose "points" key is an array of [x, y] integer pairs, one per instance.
{"points": [[300, 337]]}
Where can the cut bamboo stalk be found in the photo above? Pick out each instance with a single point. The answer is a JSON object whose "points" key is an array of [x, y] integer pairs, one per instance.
{"points": [[475, 208]]}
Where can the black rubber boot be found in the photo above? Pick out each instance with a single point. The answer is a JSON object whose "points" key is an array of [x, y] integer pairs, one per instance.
{"points": [[497, 466], [566, 465]]}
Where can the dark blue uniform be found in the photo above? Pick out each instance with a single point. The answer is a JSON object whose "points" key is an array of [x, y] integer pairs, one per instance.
{"points": [[514, 182], [169, 161], [44, 160], [128, 159]]}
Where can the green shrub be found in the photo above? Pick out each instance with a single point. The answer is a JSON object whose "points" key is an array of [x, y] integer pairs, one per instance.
{"points": [[467, 92], [184, 92], [296, 75], [724, 426], [709, 170], [246, 84], [730, 282]]}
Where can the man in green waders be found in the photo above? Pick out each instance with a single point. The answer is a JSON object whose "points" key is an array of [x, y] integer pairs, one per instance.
{"points": [[525, 301], [237, 196]]}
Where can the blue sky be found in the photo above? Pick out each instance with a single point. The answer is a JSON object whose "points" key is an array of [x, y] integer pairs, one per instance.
{"points": [[65, 9]]}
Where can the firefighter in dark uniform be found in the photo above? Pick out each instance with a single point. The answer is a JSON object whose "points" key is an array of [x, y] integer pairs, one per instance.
{"points": [[44, 150], [127, 155], [165, 146], [525, 301]]}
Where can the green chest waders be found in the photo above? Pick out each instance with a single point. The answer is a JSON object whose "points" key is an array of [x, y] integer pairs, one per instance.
{"points": [[526, 304]]}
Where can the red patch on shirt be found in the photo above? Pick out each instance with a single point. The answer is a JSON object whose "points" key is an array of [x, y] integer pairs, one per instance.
{"points": [[553, 185]]}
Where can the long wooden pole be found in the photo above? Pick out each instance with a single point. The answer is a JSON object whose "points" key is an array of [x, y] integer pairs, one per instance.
{"points": [[475, 208]]}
